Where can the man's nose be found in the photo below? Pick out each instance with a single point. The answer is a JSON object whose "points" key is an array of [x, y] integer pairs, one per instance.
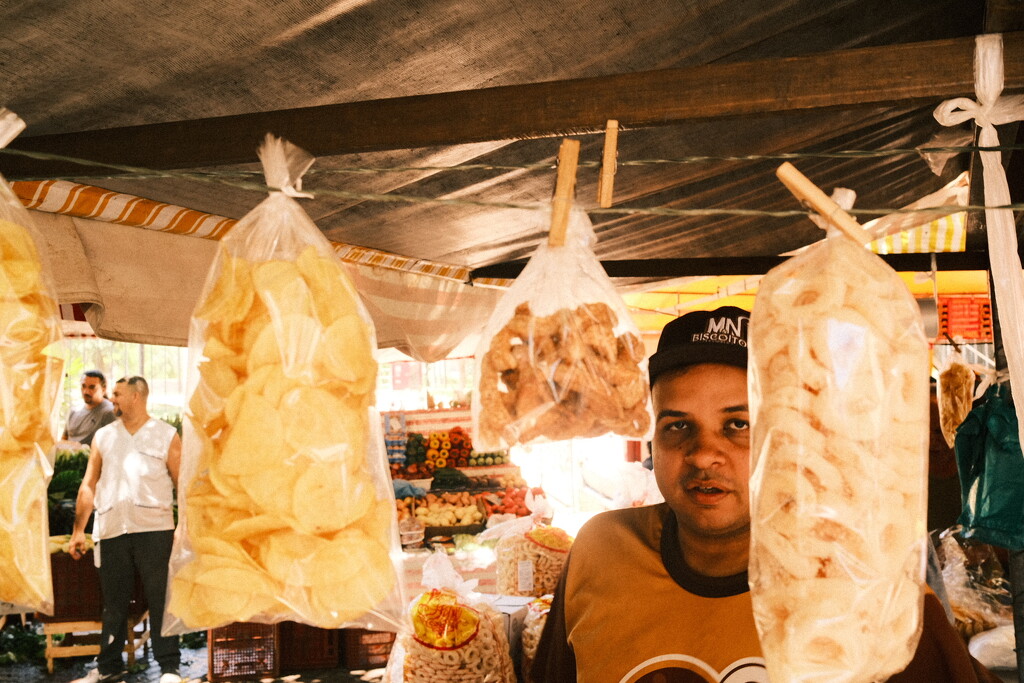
{"points": [[706, 450]]}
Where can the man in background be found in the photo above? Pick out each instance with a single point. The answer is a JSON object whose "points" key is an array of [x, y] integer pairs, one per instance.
{"points": [[130, 481], [96, 412]]}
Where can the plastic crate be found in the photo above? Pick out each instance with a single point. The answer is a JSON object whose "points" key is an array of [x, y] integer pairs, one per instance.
{"points": [[243, 652], [366, 649], [307, 647], [76, 590]]}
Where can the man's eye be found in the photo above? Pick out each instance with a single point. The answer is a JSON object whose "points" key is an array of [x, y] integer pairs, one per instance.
{"points": [[737, 424]]}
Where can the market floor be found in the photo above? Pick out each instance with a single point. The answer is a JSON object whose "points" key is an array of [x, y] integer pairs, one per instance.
{"points": [[194, 666]]}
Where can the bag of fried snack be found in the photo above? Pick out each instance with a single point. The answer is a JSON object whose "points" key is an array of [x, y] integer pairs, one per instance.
{"points": [[452, 634], [533, 626], [31, 372], [529, 554], [955, 395], [285, 503], [839, 395], [560, 356]]}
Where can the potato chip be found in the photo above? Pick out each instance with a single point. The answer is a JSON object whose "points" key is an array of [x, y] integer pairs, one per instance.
{"points": [[333, 294], [232, 294], [282, 290], [16, 243], [329, 497], [346, 355], [314, 424], [255, 440], [219, 375]]}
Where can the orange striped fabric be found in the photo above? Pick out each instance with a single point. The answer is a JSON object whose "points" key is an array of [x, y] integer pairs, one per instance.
{"points": [[95, 203]]}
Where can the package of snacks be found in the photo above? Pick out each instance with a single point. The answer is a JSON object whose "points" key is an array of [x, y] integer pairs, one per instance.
{"points": [[560, 356], [955, 394], [529, 555], [30, 382], [533, 626], [285, 502], [452, 634], [839, 411]]}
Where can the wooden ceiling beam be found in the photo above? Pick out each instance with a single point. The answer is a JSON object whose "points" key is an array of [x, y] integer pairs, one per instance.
{"points": [[742, 265], [913, 72]]}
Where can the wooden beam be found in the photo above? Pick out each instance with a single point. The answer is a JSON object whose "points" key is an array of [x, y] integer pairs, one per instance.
{"points": [[741, 265], [926, 71]]}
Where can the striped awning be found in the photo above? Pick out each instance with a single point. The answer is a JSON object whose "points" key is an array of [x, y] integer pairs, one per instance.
{"points": [[948, 233]]}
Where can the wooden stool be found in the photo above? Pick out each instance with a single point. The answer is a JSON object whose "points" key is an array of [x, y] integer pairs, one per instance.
{"points": [[83, 638]]}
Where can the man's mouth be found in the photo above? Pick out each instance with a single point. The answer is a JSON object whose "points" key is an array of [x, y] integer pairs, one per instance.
{"points": [[706, 492]]}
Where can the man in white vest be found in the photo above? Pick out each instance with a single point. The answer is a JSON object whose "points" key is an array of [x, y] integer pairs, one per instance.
{"points": [[130, 481]]}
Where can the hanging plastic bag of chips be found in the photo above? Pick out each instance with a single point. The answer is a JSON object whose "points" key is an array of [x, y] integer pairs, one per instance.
{"points": [[839, 407], [955, 394], [286, 505], [452, 633], [31, 372], [560, 356]]}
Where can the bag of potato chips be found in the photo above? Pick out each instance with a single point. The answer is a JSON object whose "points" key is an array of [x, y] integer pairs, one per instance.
{"points": [[451, 633], [31, 373], [560, 356], [285, 502], [839, 412]]}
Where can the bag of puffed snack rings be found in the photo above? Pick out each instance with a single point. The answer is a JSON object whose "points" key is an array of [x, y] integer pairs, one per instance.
{"points": [[839, 412], [560, 356], [955, 395], [285, 502], [533, 626], [452, 634], [31, 373], [529, 554]]}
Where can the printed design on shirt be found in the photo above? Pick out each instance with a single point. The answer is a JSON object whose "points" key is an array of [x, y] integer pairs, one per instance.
{"points": [[686, 669]]}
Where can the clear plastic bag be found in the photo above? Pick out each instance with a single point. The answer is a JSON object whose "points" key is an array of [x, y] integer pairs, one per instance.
{"points": [[839, 412], [560, 356], [956, 395], [978, 594], [452, 634], [533, 626], [530, 555], [31, 372], [286, 509]]}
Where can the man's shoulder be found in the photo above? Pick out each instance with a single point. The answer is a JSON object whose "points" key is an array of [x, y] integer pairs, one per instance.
{"points": [[106, 406], [611, 526]]}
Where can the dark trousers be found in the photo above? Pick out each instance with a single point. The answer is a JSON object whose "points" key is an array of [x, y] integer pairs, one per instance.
{"points": [[149, 553]]}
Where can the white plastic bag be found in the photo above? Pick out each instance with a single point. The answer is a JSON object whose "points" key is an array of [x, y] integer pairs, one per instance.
{"points": [[560, 356], [839, 412], [31, 367], [285, 502]]}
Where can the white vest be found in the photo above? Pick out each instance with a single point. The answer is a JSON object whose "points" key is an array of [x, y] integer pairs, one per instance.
{"points": [[135, 492]]}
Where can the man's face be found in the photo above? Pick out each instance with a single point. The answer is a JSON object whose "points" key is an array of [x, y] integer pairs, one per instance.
{"points": [[92, 391], [122, 398], [702, 448]]}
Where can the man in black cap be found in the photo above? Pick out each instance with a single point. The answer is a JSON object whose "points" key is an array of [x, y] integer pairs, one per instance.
{"points": [[659, 593]]}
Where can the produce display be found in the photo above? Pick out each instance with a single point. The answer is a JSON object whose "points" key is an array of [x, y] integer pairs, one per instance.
{"points": [[533, 625], [29, 324], [511, 500], [839, 402], [62, 544], [561, 376], [453, 641], [449, 509], [530, 563]]}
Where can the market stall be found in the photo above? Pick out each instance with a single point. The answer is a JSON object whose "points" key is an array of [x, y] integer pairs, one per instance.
{"points": [[455, 473]]}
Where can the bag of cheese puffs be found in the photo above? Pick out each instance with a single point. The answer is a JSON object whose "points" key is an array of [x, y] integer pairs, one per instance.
{"points": [[30, 381], [560, 356], [285, 504]]}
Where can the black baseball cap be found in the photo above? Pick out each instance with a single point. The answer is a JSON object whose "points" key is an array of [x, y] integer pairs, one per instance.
{"points": [[718, 336]]}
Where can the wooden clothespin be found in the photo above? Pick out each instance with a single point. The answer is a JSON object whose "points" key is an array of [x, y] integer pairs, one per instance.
{"points": [[806, 191], [565, 184], [606, 181]]}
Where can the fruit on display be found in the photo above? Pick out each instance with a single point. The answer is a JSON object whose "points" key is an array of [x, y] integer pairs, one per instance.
{"points": [[405, 507], [449, 509], [488, 459], [511, 500]]}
